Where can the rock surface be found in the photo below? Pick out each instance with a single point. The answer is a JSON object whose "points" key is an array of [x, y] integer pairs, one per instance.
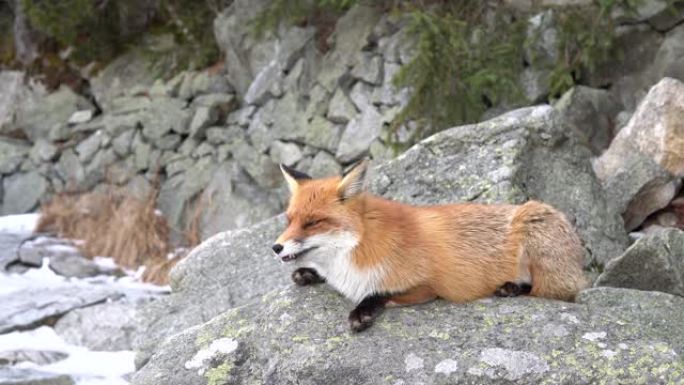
{"points": [[300, 335], [13, 376], [25, 309], [642, 168], [110, 326], [654, 262], [227, 270]]}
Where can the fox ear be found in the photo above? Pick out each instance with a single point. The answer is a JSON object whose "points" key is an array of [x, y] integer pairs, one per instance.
{"points": [[351, 184], [293, 177]]}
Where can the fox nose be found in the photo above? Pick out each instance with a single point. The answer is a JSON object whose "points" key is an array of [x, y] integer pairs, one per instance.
{"points": [[277, 248]]}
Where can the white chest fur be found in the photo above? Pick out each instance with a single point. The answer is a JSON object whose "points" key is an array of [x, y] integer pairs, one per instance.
{"points": [[332, 260]]}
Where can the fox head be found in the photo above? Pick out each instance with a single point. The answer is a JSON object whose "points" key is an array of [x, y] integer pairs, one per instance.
{"points": [[324, 215]]}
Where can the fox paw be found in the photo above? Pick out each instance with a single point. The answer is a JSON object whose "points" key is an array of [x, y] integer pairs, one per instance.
{"points": [[361, 319], [512, 289], [305, 276]]}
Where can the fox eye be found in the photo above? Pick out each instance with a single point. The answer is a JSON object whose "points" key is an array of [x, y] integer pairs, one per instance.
{"points": [[312, 222]]}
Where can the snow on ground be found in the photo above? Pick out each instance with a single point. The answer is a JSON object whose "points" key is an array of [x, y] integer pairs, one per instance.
{"points": [[86, 367], [19, 224]]}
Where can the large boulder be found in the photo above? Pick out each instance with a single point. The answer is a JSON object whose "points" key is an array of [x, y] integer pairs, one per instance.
{"points": [[654, 262], [227, 270], [300, 335], [23, 192], [39, 113], [641, 171], [15, 376], [521, 155]]}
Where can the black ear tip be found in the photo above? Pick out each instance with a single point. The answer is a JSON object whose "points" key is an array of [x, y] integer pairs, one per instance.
{"points": [[298, 175]]}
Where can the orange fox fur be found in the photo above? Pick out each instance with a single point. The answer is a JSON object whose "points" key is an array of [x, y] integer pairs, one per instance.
{"points": [[459, 252]]}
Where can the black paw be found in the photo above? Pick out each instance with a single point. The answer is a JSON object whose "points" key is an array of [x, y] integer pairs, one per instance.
{"points": [[306, 276], [512, 289], [361, 319]]}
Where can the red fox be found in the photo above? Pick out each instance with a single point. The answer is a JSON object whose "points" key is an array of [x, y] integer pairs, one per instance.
{"points": [[379, 252]]}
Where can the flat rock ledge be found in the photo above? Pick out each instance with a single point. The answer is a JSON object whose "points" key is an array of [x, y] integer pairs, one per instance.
{"points": [[300, 335]]}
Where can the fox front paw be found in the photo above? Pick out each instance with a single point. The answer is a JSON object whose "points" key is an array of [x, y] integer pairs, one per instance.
{"points": [[361, 319], [306, 276]]}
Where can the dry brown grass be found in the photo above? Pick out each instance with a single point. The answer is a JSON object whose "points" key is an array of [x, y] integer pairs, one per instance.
{"points": [[117, 225]]}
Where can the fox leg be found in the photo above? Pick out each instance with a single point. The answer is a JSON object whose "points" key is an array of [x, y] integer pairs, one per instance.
{"points": [[306, 276], [362, 317]]}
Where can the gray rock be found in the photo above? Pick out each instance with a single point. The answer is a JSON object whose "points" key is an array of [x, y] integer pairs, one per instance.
{"points": [[22, 192], [524, 154], [168, 142], [368, 68], [203, 118], [323, 134], [542, 40], [668, 59], [221, 135], [12, 153], [286, 153], [70, 170], [73, 265], [352, 33], [196, 84], [388, 94], [30, 255], [660, 14], [122, 143], [96, 171], [242, 116], [341, 110], [213, 266], [304, 330], [188, 146], [38, 357], [224, 103], [43, 151], [259, 166], [87, 148], [202, 150], [31, 307], [654, 262], [14, 91], [9, 244], [178, 192], [228, 202], [163, 116], [641, 169], [245, 57], [37, 115], [80, 117], [15, 376], [358, 135], [324, 165], [535, 84], [361, 96], [591, 113], [132, 69], [109, 326]]}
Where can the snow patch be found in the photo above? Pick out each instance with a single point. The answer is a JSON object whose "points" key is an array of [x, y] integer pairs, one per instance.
{"points": [[19, 224], [85, 366]]}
